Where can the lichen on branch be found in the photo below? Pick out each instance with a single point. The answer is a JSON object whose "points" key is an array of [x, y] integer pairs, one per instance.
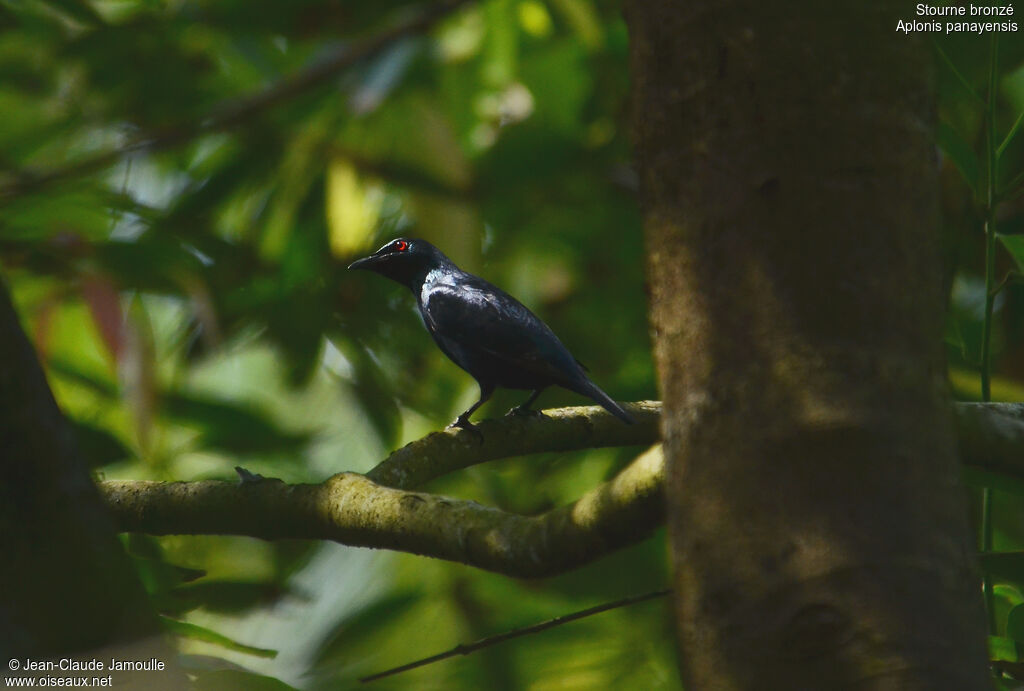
{"points": [[380, 510]]}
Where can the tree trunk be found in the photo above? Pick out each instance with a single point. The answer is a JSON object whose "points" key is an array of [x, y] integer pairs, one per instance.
{"points": [[66, 585], [818, 528]]}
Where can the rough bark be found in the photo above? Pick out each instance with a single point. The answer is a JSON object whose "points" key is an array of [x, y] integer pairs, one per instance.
{"points": [[559, 429], [378, 511], [67, 586], [351, 509], [818, 528]]}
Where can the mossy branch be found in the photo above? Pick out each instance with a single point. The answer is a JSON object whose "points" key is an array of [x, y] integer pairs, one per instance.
{"points": [[559, 429], [379, 510], [351, 509]]}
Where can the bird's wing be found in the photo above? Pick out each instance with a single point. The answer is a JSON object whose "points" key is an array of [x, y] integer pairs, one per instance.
{"points": [[477, 316]]}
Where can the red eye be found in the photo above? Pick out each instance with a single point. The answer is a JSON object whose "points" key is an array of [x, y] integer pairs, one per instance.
{"points": [[401, 245]]}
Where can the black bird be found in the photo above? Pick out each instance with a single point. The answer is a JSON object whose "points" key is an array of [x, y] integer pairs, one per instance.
{"points": [[483, 329]]}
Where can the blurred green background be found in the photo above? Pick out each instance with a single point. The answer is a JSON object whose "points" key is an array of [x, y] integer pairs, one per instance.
{"points": [[190, 305], [193, 313]]}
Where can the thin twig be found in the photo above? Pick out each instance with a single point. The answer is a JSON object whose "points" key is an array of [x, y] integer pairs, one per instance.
{"points": [[466, 649], [956, 73], [1010, 135], [1013, 188], [236, 111], [1010, 277]]}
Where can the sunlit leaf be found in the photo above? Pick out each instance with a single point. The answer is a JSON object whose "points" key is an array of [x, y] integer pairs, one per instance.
{"points": [[534, 18], [353, 207], [357, 626], [581, 16], [967, 386], [199, 633], [501, 50], [1002, 648]]}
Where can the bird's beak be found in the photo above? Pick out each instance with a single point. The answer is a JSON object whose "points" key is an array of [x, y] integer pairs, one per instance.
{"points": [[365, 262]]}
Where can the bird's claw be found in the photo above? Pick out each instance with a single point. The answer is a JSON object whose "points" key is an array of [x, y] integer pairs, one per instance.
{"points": [[249, 477], [462, 422], [521, 411]]}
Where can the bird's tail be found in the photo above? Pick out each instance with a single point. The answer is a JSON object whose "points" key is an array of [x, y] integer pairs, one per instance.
{"points": [[589, 388]]}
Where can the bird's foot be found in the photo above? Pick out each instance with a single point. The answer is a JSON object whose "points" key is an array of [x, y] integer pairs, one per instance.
{"points": [[462, 422], [246, 477], [523, 411]]}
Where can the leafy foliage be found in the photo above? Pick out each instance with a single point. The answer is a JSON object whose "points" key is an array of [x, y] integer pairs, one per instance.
{"points": [[184, 285], [979, 136], [177, 206]]}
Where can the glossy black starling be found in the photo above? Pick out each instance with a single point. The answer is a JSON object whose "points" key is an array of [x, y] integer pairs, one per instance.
{"points": [[483, 329]]}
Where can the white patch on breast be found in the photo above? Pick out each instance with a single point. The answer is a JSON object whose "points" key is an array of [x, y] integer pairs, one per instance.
{"points": [[433, 279]]}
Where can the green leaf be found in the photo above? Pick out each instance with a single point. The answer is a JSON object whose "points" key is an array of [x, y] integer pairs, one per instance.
{"points": [[501, 44], [158, 576], [200, 633], [77, 10], [235, 428], [97, 383], [1014, 244], [960, 153], [371, 387], [1014, 131], [139, 545], [237, 680], [976, 477], [1015, 624], [1010, 594], [219, 596], [1001, 648], [383, 75], [954, 336], [154, 262], [98, 446], [362, 623], [1013, 188], [584, 20], [956, 75], [1007, 566]]}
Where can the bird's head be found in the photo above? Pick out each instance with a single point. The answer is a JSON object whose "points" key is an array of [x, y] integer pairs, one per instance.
{"points": [[405, 260]]}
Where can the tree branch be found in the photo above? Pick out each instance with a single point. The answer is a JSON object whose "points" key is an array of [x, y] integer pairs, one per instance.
{"points": [[236, 111], [559, 429], [378, 510], [351, 509]]}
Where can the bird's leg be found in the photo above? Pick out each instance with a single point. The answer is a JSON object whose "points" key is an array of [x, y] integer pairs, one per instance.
{"points": [[524, 407], [462, 421]]}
